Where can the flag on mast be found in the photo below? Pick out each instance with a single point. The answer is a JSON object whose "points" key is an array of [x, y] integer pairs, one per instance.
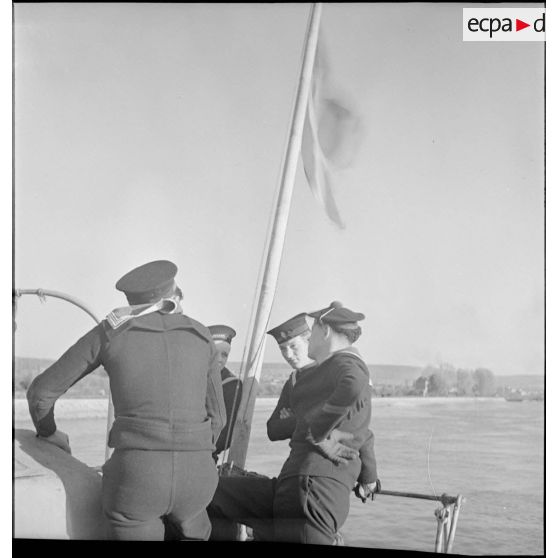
{"points": [[331, 136]]}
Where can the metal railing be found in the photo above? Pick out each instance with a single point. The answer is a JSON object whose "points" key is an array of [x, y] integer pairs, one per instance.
{"points": [[446, 516], [42, 294]]}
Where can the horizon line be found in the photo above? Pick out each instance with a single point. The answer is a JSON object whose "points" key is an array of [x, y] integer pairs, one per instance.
{"points": [[367, 364]]}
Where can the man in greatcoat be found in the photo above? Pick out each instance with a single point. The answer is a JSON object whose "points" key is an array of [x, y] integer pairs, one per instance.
{"points": [[168, 405]]}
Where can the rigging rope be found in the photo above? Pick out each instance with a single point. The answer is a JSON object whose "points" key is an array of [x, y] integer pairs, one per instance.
{"points": [[265, 254], [244, 366], [428, 462], [231, 424]]}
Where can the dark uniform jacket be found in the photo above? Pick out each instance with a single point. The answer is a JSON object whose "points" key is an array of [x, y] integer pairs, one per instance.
{"points": [[335, 394], [278, 428], [164, 380], [232, 394]]}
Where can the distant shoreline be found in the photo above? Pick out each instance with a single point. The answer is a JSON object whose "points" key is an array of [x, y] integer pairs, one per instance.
{"points": [[388, 380], [83, 408]]}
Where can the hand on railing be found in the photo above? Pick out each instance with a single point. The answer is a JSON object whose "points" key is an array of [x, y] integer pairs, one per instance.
{"points": [[367, 491]]}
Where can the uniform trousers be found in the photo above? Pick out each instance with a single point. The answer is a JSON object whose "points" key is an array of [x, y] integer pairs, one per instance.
{"points": [[299, 509], [142, 488]]}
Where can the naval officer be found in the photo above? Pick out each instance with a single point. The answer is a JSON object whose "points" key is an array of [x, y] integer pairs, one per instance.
{"points": [[232, 386], [168, 405], [309, 500]]}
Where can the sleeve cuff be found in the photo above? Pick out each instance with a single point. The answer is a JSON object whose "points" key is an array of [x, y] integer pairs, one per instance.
{"points": [[367, 479], [311, 439]]}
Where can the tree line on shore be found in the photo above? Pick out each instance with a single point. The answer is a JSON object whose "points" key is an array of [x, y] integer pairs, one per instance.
{"points": [[446, 380], [434, 381], [430, 381]]}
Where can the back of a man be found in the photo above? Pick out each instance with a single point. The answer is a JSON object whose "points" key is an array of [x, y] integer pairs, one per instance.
{"points": [[158, 370], [168, 404]]}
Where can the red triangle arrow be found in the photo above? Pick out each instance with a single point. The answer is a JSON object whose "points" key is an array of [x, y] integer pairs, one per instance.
{"points": [[519, 25]]}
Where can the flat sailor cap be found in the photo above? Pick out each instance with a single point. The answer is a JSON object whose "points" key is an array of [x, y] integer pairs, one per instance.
{"points": [[337, 314], [222, 333], [148, 281], [293, 327]]}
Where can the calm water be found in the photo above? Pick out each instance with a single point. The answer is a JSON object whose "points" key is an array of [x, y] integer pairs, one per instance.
{"points": [[488, 450]]}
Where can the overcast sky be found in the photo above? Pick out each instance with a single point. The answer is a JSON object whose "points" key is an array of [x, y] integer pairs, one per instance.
{"points": [[148, 131]]}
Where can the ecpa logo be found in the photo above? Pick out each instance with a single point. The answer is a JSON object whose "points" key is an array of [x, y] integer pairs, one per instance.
{"points": [[503, 24]]}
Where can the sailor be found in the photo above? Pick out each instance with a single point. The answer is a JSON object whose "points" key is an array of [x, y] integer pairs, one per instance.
{"points": [[232, 386], [168, 405], [309, 500], [292, 337], [336, 394]]}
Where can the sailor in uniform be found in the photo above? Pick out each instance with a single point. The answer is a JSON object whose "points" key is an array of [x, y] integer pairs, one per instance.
{"points": [[232, 386], [335, 396], [168, 404], [330, 446], [292, 337]]}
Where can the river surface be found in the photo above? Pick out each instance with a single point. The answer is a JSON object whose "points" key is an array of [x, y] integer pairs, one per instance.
{"points": [[489, 450]]}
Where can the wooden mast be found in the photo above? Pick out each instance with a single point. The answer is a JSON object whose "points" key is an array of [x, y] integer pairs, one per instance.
{"points": [[257, 339]]}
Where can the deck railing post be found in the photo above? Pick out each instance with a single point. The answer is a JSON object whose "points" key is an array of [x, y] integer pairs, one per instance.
{"points": [[438, 543], [446, 529], [454, 518]]}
